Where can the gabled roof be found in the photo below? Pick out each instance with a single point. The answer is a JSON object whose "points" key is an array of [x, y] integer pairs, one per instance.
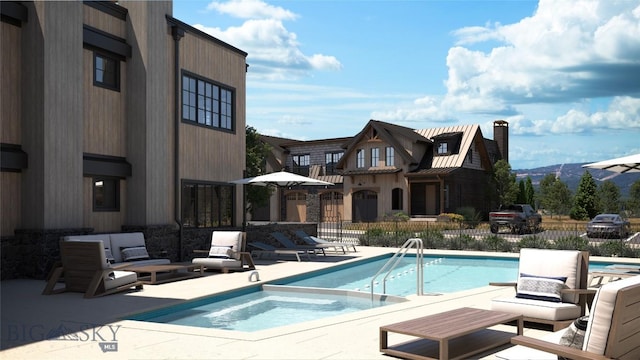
{"points": [[468, 135], [388, 133]]}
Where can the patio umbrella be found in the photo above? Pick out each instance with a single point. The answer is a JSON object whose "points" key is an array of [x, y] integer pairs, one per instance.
{"points": [[280, 179], [626, 164]]}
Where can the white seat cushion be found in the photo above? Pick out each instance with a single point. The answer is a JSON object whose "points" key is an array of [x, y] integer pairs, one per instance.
{"points": [[218, 263], [118, 278], [547, 310]]}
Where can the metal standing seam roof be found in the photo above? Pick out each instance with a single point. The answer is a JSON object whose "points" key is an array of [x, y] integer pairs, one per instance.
{"points": [[453, 160]]}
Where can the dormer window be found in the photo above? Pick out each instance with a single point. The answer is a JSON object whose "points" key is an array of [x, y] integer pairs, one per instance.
{"points": [[447, 143], [443, 148]]}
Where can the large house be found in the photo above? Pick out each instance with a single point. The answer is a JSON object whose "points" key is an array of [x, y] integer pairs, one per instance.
{"points": [[115, 117], [386, 169]]}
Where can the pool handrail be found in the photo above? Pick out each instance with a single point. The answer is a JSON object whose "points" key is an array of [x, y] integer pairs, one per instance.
{"points": [[395, 259]]}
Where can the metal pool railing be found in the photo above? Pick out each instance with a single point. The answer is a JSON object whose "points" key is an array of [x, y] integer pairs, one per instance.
{"points": [[391, 264]]}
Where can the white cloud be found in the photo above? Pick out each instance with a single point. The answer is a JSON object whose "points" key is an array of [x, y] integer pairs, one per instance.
{"points": [[623, 113], [274, 52], [251, 9], [567, 50]]}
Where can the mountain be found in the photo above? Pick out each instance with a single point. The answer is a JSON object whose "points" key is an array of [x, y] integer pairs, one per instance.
{"points": [[570, 174]]}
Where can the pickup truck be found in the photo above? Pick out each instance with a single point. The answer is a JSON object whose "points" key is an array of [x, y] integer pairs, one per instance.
{"points": [[520, 218]]}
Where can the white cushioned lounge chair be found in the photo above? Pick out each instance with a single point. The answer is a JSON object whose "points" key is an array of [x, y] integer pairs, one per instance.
{"points": [[226, 253], [551, 287], [613, 329], [84, 268]]}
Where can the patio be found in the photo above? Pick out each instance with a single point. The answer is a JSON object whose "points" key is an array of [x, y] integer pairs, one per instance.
{"points": [[91, 328]]}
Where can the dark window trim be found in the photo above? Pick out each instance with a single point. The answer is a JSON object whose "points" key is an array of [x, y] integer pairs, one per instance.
{"points": [[219, 85], [106, 85], [105, 165], [13, 13], [116, 195], [98, 39], [12, 158]]}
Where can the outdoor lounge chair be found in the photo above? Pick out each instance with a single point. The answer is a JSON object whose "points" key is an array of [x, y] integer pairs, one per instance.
{"points": [[84, 268], [551, 287], [226, 252], [266, 249], [289, 244], [312, 240], [613, 329]]}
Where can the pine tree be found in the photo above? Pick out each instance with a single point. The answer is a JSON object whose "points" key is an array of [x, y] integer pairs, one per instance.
{"points": [[609, 197], [585, 204]]}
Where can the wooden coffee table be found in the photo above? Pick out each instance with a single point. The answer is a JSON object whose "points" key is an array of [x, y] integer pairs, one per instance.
{"points": [[455, 334], [158, 274]]}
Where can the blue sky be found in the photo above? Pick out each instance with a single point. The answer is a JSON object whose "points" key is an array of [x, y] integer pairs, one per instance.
{"points": [[564, 74]]}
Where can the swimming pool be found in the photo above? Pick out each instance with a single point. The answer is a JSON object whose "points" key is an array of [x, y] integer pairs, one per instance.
{"points": [[335, 291], [265, 307]]}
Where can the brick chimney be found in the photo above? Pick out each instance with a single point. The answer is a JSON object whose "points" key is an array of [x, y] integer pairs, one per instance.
{"points": [[501, 136]]}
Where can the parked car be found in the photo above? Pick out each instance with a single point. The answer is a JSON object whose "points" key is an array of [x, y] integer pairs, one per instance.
{"points": [[519, 218], [608, 226]]}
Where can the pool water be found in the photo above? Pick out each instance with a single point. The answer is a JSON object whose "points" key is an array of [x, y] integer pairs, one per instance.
{"points": [[441, 275], [336, 291], [259, 310]]}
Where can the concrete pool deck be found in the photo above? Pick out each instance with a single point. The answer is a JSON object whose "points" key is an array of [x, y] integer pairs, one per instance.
{"points": [[66, 325]]}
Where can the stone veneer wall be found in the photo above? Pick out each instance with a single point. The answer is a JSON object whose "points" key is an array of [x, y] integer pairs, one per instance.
{"points": [[32, 253]]}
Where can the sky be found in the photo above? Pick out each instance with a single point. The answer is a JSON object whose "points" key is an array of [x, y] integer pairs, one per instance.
{"points": [[564, 74]]}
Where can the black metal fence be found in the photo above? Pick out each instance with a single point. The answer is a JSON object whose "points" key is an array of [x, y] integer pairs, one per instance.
{"points": [[454, 235]]}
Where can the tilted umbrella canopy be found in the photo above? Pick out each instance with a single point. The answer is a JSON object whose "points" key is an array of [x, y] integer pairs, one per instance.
{"points": [[626, 164], [281, 178]]}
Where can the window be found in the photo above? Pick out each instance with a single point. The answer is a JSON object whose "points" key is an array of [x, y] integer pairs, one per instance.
{"points": [[375, 157], [301, 164], [106, 194], [360, 158], [396, 199], [106, 71], [207, 104], [443, 148], [470, 156], [331, 160], [389, 159], [206, 205]]}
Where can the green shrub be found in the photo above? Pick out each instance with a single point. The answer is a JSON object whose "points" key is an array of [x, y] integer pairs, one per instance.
{"points": [[535, 242], [497, 243], [571, 243]]}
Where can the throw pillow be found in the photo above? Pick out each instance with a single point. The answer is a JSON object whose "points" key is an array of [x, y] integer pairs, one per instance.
{"points": [[223, 252], [135, 253], [574, 335], [540, 287]]}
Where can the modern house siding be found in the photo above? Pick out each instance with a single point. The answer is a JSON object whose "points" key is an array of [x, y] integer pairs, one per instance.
{"points": [[63, 132]]}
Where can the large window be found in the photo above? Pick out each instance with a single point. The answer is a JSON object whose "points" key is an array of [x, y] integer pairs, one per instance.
{"points": [[331, 160], [389, 158], [301, 164], [106, 71], [207, 205], [106, 194], [206, 103], [375, 156], [360, 158]]}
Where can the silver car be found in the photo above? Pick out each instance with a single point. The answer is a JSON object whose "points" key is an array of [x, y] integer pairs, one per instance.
{"points": [[608, 226]]}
